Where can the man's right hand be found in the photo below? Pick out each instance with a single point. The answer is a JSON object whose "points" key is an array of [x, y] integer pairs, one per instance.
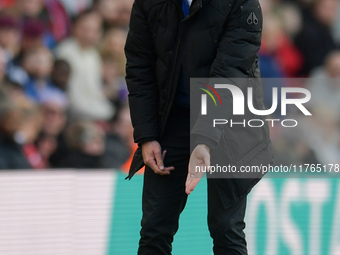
{"points": [[154, 157]]}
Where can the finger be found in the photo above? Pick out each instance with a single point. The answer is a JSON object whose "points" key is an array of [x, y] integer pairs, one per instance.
{"points": [[159, 159], [152, 164], [169, 168], [189, 179], [192, 185], [187, 184], [165, 171], [163, 154]]}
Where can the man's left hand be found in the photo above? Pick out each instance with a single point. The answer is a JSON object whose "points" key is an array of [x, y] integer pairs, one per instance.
{"points": [[200, 157]]}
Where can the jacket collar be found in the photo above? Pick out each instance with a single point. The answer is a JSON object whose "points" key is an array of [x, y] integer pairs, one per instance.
{"points": [[196, 4]]}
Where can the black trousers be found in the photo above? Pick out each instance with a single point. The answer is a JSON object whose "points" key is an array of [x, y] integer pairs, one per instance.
{"points": [[164, 199]]}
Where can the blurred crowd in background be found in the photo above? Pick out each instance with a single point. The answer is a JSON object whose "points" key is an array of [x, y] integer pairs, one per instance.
{"points": [[300, 46], [63, 97]]}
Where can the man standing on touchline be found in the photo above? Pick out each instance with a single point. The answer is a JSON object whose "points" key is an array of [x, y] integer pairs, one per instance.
{"points": [[169, 42]]}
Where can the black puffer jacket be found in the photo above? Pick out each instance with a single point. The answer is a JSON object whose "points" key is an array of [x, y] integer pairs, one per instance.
{"points": [[216, 39]]}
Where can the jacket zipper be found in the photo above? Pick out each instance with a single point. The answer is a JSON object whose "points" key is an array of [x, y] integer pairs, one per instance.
{"points": [[176, 73], [172, 92]]}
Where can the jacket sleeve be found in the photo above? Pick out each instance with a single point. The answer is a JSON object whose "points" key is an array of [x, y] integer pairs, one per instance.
{"points": [[236, 53], [141, 78]]}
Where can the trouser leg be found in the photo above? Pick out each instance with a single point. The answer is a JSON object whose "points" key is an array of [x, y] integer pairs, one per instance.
{"points": [[226, 225], [163, 201], [164, 197]]}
